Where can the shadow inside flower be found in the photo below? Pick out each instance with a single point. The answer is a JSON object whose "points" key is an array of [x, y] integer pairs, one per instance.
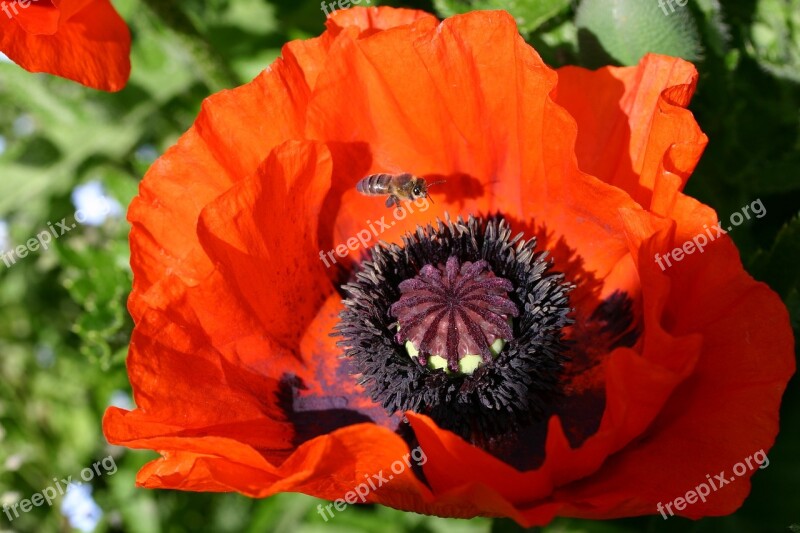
{"points": [[601, 325], [311, 415]]}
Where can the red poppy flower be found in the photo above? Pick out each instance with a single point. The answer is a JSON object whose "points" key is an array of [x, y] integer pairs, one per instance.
{"points": [[82, 40], [623, 385]]}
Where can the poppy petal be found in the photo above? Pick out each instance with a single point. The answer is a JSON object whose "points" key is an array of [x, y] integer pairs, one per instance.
{"points": [[218, 151], [85, 41], [500, 146], [550, 192], [218, 278], [163, 234], [738, 383], [259, 253], [635, 126], [231, 392], [370, 20]]}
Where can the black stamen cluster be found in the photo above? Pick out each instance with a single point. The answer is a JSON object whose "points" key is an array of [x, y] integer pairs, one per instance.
{"points": [[511, 389]]}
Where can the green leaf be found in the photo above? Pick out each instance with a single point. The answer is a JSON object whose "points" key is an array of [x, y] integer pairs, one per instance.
{"points": [[529, 14], [775, 37], [714, 27], [623, 31], [778, 267]]}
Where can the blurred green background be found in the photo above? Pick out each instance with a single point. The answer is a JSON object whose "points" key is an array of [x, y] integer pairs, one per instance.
{"points": [[63, 324]]}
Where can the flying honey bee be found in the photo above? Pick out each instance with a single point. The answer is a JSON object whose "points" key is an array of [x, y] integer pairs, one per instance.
{"points": [[398, 186]]}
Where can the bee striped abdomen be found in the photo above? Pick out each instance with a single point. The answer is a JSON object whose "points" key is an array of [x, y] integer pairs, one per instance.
{"points": [[375, 184]]}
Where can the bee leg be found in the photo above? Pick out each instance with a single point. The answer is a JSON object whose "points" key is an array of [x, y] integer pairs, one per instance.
{"points": [[392, 200]]}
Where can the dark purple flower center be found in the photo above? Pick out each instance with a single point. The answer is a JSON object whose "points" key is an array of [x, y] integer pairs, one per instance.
{"points": [[463, 323], [454, 314]]}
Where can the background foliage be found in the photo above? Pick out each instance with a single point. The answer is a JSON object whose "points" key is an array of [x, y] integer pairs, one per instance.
{"points": [[63, 323]]}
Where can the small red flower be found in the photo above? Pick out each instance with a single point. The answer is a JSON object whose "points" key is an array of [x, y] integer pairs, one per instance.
{"points": [[82, 40], [620, 385]]}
